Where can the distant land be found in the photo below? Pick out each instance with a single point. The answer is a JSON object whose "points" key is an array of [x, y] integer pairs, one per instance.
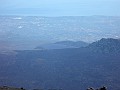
{"points": [[28, 32], [63, 45]]}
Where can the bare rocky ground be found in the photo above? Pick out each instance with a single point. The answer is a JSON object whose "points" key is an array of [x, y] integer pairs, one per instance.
{"points": [[10, 88]]}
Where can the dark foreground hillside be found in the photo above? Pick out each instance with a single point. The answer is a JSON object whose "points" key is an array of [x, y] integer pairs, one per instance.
{"points": [[67, 69]]}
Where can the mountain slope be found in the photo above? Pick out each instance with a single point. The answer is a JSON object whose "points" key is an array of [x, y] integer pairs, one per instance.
{"points": [[73, 43], [108, 45], [69, 69], [63, 45]]}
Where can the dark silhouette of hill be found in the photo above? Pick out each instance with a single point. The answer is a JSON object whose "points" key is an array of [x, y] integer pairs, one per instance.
{"points": [[69, 69], [108, 45], [63, 45], [73, 43]]}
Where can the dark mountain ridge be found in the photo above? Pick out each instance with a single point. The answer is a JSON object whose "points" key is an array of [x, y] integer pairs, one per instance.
{"points": [[69, 69], [63, 45], [104, 45], [73, 43]]}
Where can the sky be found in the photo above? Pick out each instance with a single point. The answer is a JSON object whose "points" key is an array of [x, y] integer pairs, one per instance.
{"points": [[60, 7]]}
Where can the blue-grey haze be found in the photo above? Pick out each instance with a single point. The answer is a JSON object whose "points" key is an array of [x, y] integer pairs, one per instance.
{"points": [[60, 8], [26, 31]]}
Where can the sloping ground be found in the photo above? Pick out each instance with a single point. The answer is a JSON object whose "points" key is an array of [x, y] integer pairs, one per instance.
{"points": [[104, 45], [69, 69], [62, 45]]}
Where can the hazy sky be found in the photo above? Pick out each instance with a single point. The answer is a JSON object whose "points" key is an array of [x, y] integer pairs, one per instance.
{"points": [[60, 7]]}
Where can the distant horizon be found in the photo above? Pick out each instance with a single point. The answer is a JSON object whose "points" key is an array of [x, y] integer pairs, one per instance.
{"points": [[60, 15]]}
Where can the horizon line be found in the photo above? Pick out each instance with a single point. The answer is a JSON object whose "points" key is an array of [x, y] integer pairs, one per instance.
{"points": [[60, 15]]}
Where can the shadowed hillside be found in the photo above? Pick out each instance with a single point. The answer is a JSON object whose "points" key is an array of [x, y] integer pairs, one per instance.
{"points": [[69, 69], [62, 45], [109, 45]]}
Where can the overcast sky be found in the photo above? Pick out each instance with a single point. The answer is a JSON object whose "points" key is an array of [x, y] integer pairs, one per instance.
{"points": [[60, 7]]}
